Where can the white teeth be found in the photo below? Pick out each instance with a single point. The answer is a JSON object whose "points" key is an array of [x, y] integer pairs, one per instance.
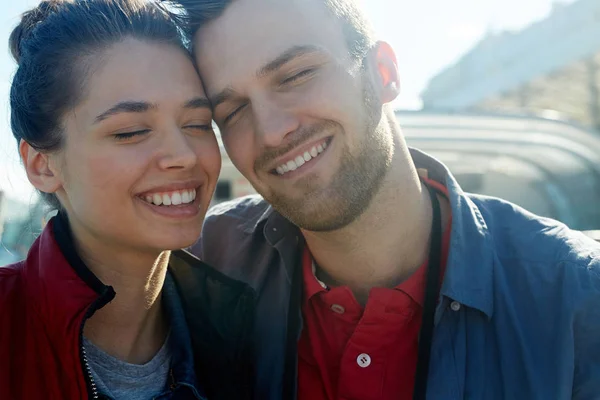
{"points": [[176, 198], [185, 197], [172, 198], [300, 160]]}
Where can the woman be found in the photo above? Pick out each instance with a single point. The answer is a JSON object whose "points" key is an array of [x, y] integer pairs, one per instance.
{"points": [[114, 130]]}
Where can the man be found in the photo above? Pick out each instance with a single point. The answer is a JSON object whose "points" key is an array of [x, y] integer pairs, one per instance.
{"points": [[377, 277]]}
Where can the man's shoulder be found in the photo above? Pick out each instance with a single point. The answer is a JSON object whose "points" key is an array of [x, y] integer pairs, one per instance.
{"points": [[545, 288], [229, 225], [228, 241], [517, 232], [540, 256], [238, 213]]}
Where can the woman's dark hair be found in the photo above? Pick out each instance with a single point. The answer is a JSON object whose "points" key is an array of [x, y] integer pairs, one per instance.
{"points": [[56, 44]]}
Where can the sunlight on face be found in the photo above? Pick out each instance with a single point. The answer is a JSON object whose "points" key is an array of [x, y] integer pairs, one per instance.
{"points": [[299, 117], [140, 161]]}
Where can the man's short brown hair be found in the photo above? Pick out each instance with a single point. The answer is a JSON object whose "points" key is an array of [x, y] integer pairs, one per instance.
{"points": [[355, 24]]}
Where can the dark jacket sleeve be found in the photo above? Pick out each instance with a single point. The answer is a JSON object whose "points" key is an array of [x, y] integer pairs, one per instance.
{"points": [[228, 233]]}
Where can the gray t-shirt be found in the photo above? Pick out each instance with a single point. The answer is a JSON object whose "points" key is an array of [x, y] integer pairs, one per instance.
{"points": [[121, 380]]}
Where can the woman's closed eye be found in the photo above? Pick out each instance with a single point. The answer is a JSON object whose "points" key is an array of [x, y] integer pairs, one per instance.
{"points": [[130, 135], [201, 127]]}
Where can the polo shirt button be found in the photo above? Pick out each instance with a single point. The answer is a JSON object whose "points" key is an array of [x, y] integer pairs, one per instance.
{"points": [[363, 360], [455, 306], [336, 308]]}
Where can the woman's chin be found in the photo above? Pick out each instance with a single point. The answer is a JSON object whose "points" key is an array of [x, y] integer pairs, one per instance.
{"points": [[169, 241]]}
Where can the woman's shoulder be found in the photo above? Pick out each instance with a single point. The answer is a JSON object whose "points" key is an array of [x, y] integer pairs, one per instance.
{"points": [[12, 295], [10, 278]]}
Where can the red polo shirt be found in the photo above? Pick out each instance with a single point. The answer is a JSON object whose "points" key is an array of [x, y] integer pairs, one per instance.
{"points": [[350, 352]]}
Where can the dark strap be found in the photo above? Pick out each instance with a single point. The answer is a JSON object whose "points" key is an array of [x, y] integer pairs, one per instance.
{"points": [[431, 294], [290, 386], [430, 304]]}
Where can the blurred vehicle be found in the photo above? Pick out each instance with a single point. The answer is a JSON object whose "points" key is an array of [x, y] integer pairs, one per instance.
{"points": [[549, 167]]}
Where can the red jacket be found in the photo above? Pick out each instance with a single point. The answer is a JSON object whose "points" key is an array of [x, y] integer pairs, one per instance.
{"points": [[45, 300]]}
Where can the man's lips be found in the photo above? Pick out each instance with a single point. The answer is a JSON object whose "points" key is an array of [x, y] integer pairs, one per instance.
{"points": [[301, 156]]}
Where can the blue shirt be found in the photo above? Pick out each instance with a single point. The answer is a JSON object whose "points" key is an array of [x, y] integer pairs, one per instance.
{"points": [[519, 310]]}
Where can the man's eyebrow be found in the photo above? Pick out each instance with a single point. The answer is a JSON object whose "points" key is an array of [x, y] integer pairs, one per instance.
{"points": [[125, 107], [222, 97], [286, 57], [197, 102]]}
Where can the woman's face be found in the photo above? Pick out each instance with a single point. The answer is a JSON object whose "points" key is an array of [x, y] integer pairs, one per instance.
{"points": [[140, 160]]}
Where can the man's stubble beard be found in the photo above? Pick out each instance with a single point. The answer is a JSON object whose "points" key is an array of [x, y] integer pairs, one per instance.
{"points": [[355, 184]]}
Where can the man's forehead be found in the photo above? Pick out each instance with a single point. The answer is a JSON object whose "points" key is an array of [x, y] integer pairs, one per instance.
{"points": [[284, 9], [252, 32]]}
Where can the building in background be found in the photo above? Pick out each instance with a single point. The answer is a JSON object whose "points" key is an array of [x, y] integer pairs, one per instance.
{"points": [[551, 68]]}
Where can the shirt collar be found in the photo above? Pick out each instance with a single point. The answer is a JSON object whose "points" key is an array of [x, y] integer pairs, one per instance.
{"points": [[469, 269], [312, 284]]}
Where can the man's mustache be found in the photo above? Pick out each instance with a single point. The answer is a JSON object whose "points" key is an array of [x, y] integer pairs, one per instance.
{"points": [[296, 139]]}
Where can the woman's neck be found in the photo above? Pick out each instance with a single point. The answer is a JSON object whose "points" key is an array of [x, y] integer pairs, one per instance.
{"points": [[133, 326]]}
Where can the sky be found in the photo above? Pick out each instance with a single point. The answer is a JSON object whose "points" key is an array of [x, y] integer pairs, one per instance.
{"points": [[428, 36]]}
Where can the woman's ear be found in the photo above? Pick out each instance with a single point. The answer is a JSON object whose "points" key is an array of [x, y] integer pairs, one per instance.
{"points": [[39, 170]]}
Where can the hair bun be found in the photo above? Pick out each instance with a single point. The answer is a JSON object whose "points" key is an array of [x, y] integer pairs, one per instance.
{"points": [[29, 20]]}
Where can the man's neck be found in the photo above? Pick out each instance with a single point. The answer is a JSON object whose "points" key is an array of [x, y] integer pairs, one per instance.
{"points": [[385, 245], [133, 326]]}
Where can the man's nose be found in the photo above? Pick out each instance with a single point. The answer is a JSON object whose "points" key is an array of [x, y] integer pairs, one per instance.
{"points": [[273, 121]]}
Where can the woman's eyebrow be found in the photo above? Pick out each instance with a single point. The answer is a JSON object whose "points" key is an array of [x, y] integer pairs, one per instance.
{"points": [[198, 102], [125, 107], [143, 106]]}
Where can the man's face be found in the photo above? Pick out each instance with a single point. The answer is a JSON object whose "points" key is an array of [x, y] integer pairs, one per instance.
{"points": [[300, 118]]}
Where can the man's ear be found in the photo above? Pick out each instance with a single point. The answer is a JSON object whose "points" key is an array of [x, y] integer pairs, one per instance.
{"points": [[39, 170], [386, 68]]}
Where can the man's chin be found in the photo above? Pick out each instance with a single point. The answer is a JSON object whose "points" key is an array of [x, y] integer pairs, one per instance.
{"points": [[312, 215]]}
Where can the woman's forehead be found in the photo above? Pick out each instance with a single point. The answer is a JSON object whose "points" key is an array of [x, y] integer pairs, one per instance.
{"points": [[157, 74]]}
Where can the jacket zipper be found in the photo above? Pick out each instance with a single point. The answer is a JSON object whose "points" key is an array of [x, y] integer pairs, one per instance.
{"points": [[88, 370], [107, 295]]}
